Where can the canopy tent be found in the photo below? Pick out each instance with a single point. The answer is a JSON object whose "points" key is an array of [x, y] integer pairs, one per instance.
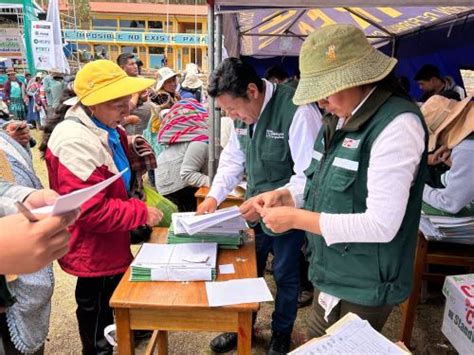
{"points": [[416, 32]]}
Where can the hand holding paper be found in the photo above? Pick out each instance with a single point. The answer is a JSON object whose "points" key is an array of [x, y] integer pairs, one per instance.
{"points": [[75, 199]]}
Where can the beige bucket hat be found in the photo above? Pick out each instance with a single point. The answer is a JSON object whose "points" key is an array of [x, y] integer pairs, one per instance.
{"points": [[449, 121], [338, 57], [191, 81], [164, 74]]}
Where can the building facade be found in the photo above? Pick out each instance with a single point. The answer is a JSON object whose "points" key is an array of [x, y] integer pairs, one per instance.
{"points": [[161, 34]]}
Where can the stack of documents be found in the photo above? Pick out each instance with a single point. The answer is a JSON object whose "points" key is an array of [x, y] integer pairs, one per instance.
{"points": [[225, 227], [180, 262], [441, 226], [350, 335]]}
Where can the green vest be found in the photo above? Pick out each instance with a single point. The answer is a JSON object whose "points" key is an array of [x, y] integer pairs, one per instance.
{"points": [[268, 161], [370, 274]]}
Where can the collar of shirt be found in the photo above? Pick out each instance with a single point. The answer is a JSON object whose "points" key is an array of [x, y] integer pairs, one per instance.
{"points": [[341, 120], [269, 89]]}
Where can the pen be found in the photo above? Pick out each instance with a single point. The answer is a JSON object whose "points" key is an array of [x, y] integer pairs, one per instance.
{"points": [[26, 212]]}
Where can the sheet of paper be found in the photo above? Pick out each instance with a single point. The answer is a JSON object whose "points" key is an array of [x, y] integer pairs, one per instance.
{"points": [[75, 199], [226, 269], [355, 336], [237, 291]]}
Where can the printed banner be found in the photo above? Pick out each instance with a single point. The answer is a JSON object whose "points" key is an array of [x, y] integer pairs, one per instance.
{"points": [[11, 44], [42, 45]]}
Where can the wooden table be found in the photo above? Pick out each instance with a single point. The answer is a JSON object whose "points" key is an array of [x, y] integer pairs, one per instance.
{"points": [[178, 306], [229, 201]]}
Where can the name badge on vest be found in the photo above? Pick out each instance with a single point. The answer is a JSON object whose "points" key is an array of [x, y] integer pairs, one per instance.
{"points": [[274, 135], [241, 131], [351, 143]]}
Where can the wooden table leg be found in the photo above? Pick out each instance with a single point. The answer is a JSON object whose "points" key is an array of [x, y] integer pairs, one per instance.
{"points": [[124, 333], [162, 342], [408, 308], [244, 341]]}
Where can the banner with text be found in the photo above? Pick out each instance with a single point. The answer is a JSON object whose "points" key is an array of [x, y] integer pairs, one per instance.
{"points": [[11, 44], [42, 45]]}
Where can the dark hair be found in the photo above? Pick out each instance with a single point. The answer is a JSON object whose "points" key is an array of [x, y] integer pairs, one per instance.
{"points": [[123, 58], [427, 72], [277, 72], [232, 77], [392, 84], [57, 117]]}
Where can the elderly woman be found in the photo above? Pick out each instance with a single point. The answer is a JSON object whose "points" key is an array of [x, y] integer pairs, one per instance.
{"points": [[364, 184], [182, 165], [86, 147]]}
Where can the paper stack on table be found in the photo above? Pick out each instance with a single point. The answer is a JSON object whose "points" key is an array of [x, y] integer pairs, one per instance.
{"points": [[440, 226], [350, 335], [180, 262], [227, 228], [223, 221]]}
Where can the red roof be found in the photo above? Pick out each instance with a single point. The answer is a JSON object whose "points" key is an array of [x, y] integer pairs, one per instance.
{"points": [[147, 9]]}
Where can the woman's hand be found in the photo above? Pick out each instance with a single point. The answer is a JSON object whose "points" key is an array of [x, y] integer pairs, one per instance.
{"points": [[279, 219], [275, 198]]}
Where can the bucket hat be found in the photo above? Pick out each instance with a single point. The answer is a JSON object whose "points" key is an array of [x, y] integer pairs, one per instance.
{"points": [[164, 74], [103, 80], [191, 81], [448, 121], [338, 57]]}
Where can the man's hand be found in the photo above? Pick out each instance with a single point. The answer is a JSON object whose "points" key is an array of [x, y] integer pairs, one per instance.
{"points": [[248, 210], [154, 216], [440, 155], [275, 198], [209, 205], [27, 247], [41, 198], [278, 219], [19, 131]]}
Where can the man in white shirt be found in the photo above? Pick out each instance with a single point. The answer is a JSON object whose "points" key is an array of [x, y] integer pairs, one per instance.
{"points": [[270, 143]]}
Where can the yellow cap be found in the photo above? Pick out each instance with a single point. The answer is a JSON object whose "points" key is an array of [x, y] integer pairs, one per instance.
{"points": [[103, 80]]}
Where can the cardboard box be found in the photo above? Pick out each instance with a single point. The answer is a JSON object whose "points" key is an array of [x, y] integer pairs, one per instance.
{"points": [[458, 319]]}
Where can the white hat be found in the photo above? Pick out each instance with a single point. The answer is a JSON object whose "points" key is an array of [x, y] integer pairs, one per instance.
{"points": [[191, 68], [164, 74], [191, 81]]}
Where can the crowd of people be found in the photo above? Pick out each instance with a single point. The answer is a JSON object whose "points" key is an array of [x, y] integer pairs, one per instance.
{"points": [[322, 152]]}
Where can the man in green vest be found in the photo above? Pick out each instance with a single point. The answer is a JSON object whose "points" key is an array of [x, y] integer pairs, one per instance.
{"points": [[362, 199], [270, 144]]}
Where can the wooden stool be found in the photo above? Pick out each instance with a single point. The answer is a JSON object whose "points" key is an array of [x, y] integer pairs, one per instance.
{"points": [[428, 252]]}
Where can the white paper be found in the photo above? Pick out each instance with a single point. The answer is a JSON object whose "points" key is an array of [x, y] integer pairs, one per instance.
{"points": [[176, 255], [355, 337], [237, 291], [223, 221], [75, 199], [226, 269]]}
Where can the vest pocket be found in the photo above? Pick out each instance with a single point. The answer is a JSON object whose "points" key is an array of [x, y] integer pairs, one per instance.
{"points": [[339, 198], [275, 165]]}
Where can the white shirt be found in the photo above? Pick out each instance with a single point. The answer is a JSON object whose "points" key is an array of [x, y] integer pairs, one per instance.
{"points": [[302, 134]]}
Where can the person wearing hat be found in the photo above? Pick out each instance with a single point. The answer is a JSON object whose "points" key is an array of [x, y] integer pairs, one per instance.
{"points": [[191, 87], [37, 100], [53, 86], [451, 141], [15, 95], [362, 200], [270, 143], [166, 86], [84, 149]]}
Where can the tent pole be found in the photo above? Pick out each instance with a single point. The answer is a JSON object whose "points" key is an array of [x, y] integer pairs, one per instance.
{"points": [[211, 108], [217, 113]]}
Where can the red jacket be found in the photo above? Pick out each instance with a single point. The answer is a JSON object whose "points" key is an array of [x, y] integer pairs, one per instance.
{"points": [[79, 156]]}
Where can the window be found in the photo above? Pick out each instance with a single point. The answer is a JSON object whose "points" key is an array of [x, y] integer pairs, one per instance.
{"points": [[104, 24], [185, 51], [155, 26], [126, 49], [190, 27], [132, 25], [156, 50]]}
